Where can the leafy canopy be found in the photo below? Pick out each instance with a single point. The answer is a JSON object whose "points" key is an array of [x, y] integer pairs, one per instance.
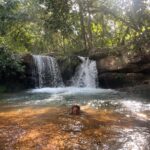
{"points": [[69, 26]]}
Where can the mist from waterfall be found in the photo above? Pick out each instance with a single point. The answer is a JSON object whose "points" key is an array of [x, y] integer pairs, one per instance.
{"points": [[86, 74], [46, 72]]}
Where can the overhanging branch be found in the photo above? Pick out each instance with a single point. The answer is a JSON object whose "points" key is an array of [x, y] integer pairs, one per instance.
{"points": [[104, 9]]}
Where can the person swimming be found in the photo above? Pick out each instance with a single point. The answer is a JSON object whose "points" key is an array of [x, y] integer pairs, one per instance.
{"points": [[75, 110]]}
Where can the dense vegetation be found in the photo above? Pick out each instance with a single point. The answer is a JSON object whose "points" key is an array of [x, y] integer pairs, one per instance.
{"points": [[11, 69], [9, 64], [66, 27]]}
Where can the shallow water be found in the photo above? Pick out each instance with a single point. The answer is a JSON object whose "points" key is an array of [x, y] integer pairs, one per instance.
{"points": [[39, 119]]}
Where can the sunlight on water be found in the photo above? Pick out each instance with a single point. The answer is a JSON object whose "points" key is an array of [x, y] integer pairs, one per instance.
{"points": [[54, 97], [40, 119], [134, 139], [137, 109], [135, 106]]}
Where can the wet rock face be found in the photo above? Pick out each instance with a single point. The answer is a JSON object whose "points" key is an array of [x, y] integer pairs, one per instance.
{"points": [[67, 67], [138, 64], [116, 72], [118, 80], [75, 110], [30, 80]]}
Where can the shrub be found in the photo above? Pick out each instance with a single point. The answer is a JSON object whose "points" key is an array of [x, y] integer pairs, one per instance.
{"points": [[10, 64]]}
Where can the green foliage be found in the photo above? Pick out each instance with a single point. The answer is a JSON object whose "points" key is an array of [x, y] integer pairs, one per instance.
{"points": [[3, 89], [10, 64], [58, 16], [68, 26]]}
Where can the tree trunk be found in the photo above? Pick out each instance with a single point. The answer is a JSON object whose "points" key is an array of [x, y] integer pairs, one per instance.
{"points": [[83, 31], [90, 39]]}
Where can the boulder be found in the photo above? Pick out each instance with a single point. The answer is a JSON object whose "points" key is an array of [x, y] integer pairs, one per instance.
{"points": [[68, 67], [127, 70], [118, 80], [98, 53], [30, 80], [109, 63], [124, 64]]}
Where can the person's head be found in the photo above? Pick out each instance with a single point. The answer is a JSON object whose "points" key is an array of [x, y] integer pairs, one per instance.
{"points": [[75, 110]]}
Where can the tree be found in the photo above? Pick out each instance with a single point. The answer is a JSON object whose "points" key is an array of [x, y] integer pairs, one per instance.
{"points": [[10, 64], [69, 26]]}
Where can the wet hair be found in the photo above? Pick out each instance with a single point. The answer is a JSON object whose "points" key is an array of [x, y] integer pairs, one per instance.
{"points": [[75, 110]]}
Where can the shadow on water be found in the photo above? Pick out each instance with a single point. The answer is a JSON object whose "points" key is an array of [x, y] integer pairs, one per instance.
{"points": [[53, 128]]}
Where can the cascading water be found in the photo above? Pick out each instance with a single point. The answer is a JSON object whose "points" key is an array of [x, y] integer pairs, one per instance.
{"points": [[46, 72], [86, 74], [122, 118]]}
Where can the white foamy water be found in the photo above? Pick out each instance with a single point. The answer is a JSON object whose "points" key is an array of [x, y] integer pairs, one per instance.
{"points": [[86, 74], [45, 101], [46, 71], [71, 90]]}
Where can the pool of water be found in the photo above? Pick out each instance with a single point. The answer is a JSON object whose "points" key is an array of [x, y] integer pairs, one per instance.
{"points": [[40, 119]]}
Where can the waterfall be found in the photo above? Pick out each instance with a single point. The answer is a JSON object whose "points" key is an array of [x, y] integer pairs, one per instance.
{"points": [[86, 74], [46, 71]]}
